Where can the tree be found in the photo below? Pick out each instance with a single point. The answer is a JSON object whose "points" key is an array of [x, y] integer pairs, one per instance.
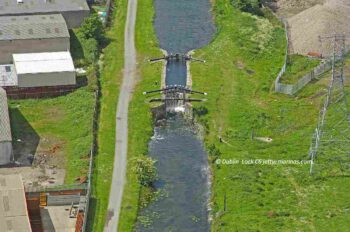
{"points": [[92, 28]]}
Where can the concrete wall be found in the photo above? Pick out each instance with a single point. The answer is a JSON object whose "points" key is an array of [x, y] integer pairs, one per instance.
{"points": [[6, 155], [46, 79], [7, 48]]}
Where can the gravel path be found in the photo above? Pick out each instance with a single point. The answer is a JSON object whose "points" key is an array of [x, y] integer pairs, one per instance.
{"points": [[121, 145]]}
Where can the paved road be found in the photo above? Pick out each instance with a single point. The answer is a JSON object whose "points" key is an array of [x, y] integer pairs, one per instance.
{"points": [[121, 144]]}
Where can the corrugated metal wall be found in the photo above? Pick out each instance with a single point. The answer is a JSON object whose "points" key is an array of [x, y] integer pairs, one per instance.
{"points": [[46, 79]]}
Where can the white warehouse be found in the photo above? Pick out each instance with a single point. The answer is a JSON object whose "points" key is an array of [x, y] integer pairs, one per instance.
{"points": [[44, 69]]}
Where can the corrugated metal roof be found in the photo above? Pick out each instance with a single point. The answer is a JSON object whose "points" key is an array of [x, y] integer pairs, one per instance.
{"points": [[11, 7], [33, 27], [13, 207], [5, 127], [43, 62]]}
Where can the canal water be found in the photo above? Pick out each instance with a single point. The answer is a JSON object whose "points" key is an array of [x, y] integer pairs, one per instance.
{"points": [[181, 26]]}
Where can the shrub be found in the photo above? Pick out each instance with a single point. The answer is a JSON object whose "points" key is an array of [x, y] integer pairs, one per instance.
{"points": [[251, 6], [92, 28], [145, 169]]}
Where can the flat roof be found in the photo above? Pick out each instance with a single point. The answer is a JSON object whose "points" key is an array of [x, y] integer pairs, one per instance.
{"points": [[47, 62], [11, 7], [33, 27], [5, 127], [13, 206], [8, 76]]}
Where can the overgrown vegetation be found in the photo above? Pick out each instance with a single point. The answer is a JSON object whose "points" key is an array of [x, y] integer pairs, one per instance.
{"points": [[297, 67], [145, 168], [241, 102], [88, 40], [251, 6]]}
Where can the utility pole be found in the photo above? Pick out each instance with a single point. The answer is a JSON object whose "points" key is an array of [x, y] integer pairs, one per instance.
{"points": [[331, 137]]}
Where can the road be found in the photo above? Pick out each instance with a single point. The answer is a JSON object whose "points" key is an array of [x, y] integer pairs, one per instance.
{"points": [[121, 144]]}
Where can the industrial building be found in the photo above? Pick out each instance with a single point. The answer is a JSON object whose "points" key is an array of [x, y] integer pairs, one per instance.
{"points": [[6, 153], [32, 34], [44, 69], [13, 206], [73, 11]]}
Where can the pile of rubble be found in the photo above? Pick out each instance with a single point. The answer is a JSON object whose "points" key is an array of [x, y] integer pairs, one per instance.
{"points": [[305, 28]]}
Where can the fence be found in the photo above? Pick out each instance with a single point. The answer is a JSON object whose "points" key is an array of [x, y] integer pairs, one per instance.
{"points": [[283, 70], [291, 89], [92, 152], [109, 8]]}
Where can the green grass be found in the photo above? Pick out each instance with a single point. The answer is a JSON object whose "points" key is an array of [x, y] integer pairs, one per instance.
{"points": [[297, 67], [64, 122], [110, 78], [140, 117], [239, 80]]}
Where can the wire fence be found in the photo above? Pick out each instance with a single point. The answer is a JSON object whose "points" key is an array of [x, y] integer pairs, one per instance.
{"points": [[92, 153]]}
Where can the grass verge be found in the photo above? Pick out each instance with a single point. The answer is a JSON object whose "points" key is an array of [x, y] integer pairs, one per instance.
{"points": [[238, 77], [111, 75], [140, 117]]}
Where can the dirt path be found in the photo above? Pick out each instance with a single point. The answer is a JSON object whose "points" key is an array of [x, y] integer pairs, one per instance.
{"points": [[121, 145]]}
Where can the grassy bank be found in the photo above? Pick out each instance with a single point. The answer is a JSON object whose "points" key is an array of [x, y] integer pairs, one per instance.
{"points": [[111, 75], [140, 118], [297, 67], [59, 127], [238, 77]]}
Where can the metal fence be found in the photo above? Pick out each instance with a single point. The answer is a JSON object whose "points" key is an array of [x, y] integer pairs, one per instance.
{"points": [[291, 89], [92, 153], [283, 70]]}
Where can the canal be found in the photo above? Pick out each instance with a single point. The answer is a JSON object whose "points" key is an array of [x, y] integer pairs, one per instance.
{"points": [[181, 26]]}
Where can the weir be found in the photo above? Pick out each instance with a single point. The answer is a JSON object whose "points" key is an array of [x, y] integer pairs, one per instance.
{"points": [[182, 164]]}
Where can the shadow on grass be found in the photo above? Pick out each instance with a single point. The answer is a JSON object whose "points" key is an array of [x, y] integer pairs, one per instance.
{"points": [[91, 214], [76, 48], [25, 139]]}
